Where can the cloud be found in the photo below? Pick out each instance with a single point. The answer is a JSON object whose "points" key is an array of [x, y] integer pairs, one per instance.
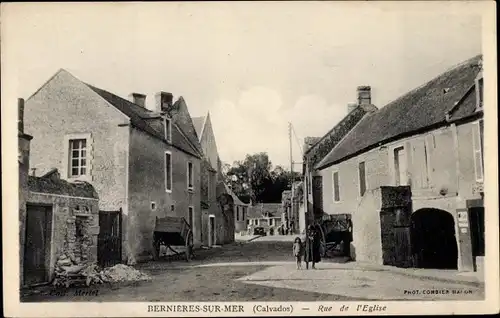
{"points": [[258, 121]]}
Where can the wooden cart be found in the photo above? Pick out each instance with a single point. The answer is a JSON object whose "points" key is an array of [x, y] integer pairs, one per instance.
{"points": [[173, 232], [336, 235]]}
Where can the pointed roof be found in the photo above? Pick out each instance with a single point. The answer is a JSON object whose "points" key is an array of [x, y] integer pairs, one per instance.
{"points": [[198, 123], [236, 199], [425, 107], [138, 116], [180, 115]]}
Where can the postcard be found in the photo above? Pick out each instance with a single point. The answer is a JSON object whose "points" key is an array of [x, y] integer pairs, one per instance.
{"points": [[249, 158]]}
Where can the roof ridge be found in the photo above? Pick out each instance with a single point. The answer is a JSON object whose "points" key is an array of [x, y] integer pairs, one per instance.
{"points": [[127, 100], [419, 110], [333, 128], [444, 73]]}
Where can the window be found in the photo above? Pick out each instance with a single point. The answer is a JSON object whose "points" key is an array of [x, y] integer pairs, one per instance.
{"points": [[237, 213], [362, 178], [243, 213], [190, 175], [256, 222], [271, 222], [168, 171], [336, 188], [420, 163], [153, 206], [77, 157], [191, 216], [399, 166], [168, 129], [477, 143]]}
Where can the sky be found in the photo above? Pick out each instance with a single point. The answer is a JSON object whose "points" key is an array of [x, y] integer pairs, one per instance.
{"points": [[253, 66]]}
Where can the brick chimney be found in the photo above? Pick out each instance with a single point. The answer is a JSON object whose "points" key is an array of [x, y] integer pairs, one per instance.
{"points": [[364, 95], [137, 98], [351, 107], [23, 154], [20, 115], [163, 101]]}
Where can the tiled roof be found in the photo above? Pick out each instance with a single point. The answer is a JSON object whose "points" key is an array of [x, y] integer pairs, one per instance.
{"points": [[138, 114], [198, 125], [257, 211], [316, 152], [236, 200], [180, 115], [311, 140], [422, 108]]}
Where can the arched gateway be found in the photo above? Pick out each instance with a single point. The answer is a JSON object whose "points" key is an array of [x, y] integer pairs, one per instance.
{"points": [[433, 239]]}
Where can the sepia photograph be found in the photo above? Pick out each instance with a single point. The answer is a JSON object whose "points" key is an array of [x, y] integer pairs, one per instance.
{"points": [[249, 158]]}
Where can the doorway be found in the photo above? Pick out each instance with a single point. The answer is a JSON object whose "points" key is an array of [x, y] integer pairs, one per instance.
{"points": [[37, 244], [109, 241], [211, 231], [433, 239]]}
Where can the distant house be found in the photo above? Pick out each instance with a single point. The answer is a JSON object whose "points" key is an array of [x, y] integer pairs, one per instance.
{"points": [[265, 215], [142, 163], [411, 176], [316, 148], [218, 219], [240, 211], [57, 219]]}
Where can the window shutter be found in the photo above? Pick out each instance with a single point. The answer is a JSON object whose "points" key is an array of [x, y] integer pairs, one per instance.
{"points": [[336, 188]]}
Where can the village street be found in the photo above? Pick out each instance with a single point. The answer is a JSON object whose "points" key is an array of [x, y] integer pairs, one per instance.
{"points": [[263, 270]]}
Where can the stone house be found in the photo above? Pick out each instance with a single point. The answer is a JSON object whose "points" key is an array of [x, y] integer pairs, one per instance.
{"points": [[265, 215], [143, 164], [293, 208], [316, 148], [56, 218], [218, 204], [411, 176]]}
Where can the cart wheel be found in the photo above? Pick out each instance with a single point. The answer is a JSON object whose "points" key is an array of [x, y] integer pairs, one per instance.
{"points": [[156, 250], [189, 246], [323, 242], [323, 249]]}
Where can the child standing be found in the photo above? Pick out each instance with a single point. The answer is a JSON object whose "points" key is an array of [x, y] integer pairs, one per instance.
{"points": [[297, 252]]}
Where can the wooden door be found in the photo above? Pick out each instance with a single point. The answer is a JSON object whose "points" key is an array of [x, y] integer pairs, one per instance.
{"points": [[212, 230], [402, 253], [109, 243], [37, 244]]}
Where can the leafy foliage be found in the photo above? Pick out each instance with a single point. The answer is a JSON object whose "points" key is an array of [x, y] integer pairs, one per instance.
{"points": [[255, 179]]}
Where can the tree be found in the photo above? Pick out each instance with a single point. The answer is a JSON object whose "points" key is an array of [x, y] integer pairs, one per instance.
{"points": [[254, 178]]}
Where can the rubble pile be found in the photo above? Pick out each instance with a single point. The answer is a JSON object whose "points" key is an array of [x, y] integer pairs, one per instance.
{"points": [[122, 273], [67, 273]]}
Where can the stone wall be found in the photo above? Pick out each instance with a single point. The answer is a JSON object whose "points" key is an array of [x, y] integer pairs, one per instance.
{"points": [[65, 210]]}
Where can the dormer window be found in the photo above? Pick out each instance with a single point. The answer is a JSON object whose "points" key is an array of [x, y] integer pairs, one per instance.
{"points": [[168, 129]]}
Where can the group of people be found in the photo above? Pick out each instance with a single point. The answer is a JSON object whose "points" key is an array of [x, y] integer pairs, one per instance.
{"points": [[309, 249]]}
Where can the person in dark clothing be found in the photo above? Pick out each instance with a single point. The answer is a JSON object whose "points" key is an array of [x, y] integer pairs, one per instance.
{"points": [[312, 247]]}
